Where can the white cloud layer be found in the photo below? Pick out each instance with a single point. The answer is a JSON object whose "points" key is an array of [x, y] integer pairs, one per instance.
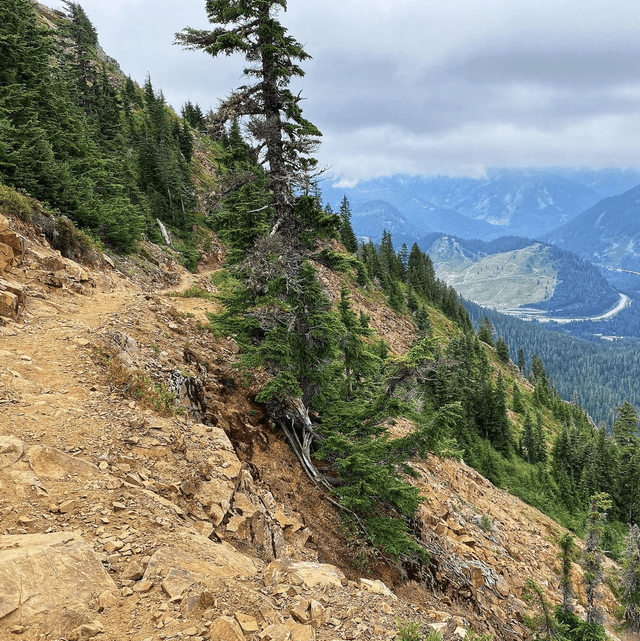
{"points": [[446, 86]]}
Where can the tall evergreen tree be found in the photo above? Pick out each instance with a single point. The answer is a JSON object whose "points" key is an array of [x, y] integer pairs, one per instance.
{"points": [[486, 331], [567, 547], [593, 555], [83, 37], [502, 350], [625, 434], [631, 581], [347, 235], [285, 138]]}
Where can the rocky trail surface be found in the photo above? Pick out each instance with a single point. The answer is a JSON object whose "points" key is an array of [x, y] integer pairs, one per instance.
{"points": [[145, 496]]}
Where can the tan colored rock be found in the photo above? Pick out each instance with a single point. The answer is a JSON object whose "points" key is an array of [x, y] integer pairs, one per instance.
{"points": [[300, 632], [143, 587], [133, 572], [477, 577], [12, 298], [11, 450], [50, 464], [441, 528], [216, 496], [243, 505], [377, 587], [107, 600], [248, 623], [226, 629], [177, 581], [277, 632], [311, 574], [203, 527], [300, 612], [196, 559], [47, 572], [316, 613], [86, 631]]}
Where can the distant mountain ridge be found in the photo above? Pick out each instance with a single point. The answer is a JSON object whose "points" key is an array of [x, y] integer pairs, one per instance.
{"points": [[514, 272], [608, 233], [524, 202]]}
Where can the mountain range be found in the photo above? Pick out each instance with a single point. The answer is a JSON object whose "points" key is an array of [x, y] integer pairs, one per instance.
{"points": [[608, 233], [524, 202], [513, 272]]}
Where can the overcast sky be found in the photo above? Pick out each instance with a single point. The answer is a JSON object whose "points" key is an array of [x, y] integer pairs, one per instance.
{"points": [[424, 87]]}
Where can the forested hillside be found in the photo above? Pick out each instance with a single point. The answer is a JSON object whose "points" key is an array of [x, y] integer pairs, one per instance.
{"points": [[79, 136], [601, 375]]}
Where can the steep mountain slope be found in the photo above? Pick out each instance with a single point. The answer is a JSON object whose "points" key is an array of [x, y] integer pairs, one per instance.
{"points": [[608, 233], [127, 517]]}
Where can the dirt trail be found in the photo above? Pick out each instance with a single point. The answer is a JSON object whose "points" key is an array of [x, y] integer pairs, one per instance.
{"points": [[49, 359]]}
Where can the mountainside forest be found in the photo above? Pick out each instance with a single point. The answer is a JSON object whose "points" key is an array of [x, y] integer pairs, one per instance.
{"points": [[111, 163]]}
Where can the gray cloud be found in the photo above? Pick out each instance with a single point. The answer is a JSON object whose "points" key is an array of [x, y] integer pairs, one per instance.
{"points": [[444, 86]]}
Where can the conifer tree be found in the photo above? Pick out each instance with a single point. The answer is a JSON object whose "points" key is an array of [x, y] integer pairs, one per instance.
{"points": [[347, 235], [486, 331], [502, 350], [593, 555], [84, 39], [567, 547], [285, 139], [518, 403], [625, 434], [631, 581]]}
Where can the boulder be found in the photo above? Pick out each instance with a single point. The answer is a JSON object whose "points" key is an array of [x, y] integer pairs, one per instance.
{"points": [[41, 573], [196, 559], [297, 572], [12, 297], [377, 587], [226, 629]]}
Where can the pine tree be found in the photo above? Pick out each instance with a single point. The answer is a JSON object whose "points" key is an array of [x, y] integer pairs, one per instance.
{"points": [[528, 440], [593, 556], [502, 350], [82, 35], [359, 363], [518, 403], [347, 235], [625, 434], [567, 547], [631, 581], [284, 138], [486, 331]]}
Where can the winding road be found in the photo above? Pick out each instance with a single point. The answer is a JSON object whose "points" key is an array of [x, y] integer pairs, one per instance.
{"points": [[533, 314]]}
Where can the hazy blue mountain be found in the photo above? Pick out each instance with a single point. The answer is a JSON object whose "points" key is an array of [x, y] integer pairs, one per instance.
{"points": [[608, 233], [610, 181], [371, 218], [525, 202]]}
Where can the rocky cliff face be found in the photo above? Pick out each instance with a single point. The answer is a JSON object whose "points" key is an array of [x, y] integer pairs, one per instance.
{"points": [[122, 519]]}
